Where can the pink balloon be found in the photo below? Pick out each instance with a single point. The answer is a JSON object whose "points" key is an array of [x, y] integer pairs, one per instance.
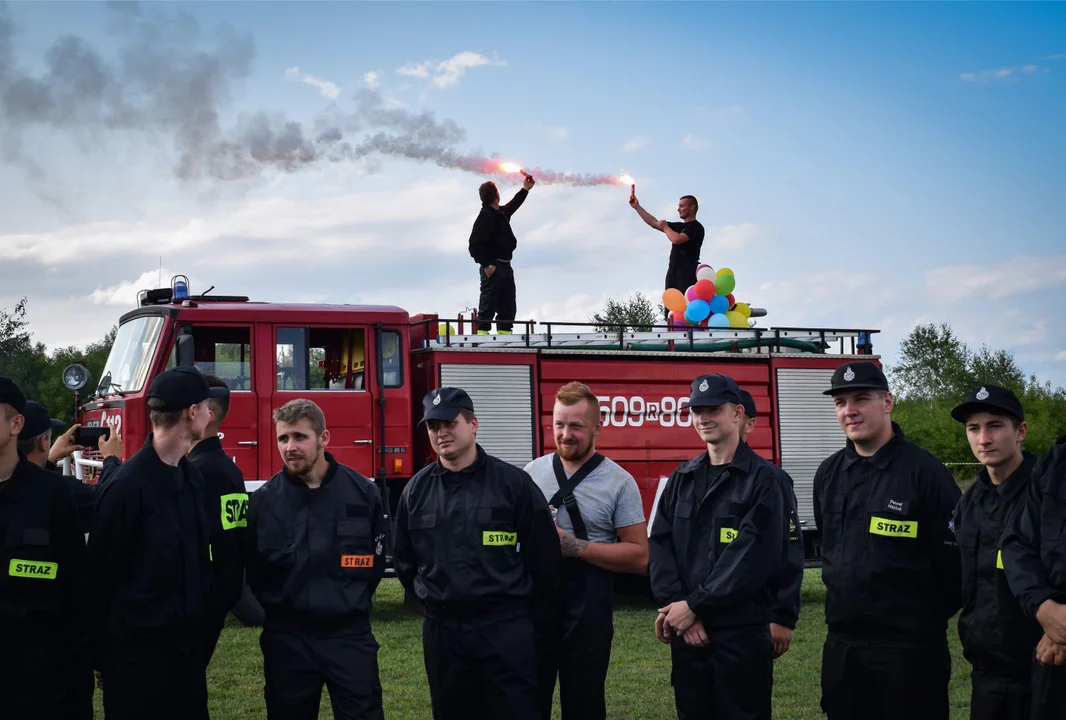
{"points": [[690, 294]]}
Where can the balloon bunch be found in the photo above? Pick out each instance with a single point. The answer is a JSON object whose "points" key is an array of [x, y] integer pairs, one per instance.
{"points": [[708, 303]]}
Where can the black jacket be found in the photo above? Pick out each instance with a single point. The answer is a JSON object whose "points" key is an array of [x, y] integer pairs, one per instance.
{"points": [[478, 544], [1034, 548], [788, 583], [149, 570], [85, 494], [889, 558], [316, 556], [723, 554], [491, 238], [42, 559], [226, 508], [997, 637]]}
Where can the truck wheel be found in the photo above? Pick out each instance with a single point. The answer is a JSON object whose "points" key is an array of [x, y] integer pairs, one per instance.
{"points": [[248, 610]]}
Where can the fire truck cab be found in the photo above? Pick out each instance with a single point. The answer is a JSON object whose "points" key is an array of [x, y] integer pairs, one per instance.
{"points": [[368, 368]]}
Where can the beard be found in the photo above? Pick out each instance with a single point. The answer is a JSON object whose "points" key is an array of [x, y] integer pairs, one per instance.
{"points": [[576, 451], [306, 464]]}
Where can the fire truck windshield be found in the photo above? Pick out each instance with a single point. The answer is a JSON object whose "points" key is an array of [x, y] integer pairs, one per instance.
{"points": [[131, 355]]}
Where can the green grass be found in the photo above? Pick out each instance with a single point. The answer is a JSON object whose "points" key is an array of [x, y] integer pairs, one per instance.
{"points": [[638, 685]]}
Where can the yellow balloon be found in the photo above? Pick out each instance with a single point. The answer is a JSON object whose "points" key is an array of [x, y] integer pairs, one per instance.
{"points": [[736, 320], [442, 329], [724, 271], [743, 308]]}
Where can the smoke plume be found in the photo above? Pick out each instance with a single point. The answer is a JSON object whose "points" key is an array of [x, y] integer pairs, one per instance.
{"points": [[171, 79]]}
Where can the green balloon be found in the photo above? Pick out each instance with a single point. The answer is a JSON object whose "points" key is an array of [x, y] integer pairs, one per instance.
{"points": [[724, 284]]}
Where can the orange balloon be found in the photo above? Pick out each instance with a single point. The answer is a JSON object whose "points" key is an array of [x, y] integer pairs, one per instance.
{"points": [[674, 300]]}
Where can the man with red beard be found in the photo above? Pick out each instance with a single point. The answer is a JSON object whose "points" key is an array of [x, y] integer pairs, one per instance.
{"points": [[316, 534], [602, 531]]}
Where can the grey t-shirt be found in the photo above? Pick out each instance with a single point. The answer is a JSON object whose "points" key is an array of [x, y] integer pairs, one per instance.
{"points": [[609, 498]]}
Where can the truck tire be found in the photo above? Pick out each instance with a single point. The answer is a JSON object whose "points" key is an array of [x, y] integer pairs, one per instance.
{"points": [[248, 610]]}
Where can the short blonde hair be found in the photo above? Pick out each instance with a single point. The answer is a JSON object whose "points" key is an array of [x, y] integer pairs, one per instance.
{"points": [[574, 392]]}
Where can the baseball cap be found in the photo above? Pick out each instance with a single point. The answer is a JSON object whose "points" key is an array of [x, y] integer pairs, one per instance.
{"points": [[748, 402], [11, 394], [183, 387], [990, 398], [863, 375], [713, 391], [37, 421], [445, 404]]}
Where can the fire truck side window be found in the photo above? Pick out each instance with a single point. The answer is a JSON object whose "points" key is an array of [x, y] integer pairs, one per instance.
{"points": [[222, 351], [391, 359], [320, 358]]}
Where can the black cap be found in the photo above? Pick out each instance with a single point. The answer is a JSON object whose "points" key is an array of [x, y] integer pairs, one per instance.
{"points": [[11, 394], [713, 391], [748, 402], [444, 404], [990, 398], [183, 387], [37, 421], [863, 375]]}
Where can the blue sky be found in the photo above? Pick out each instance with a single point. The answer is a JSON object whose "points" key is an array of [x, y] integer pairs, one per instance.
{"points": [[872, 165]]}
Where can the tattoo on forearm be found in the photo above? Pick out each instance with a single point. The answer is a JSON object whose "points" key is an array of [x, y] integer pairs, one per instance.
{"points": [[572, 546]]}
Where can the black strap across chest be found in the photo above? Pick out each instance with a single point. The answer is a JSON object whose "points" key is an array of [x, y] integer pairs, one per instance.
{"points": [[565, 494]]}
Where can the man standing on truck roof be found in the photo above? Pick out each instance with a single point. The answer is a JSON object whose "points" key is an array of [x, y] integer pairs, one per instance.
{"points": [[226, 508], [718, 541], [1034, 560], [785, 612], [475, 543], [601, 529], [686, 239], [316, 535], [889, 561], [492, 245], [45, 671], [150, 575], [998, 638]]}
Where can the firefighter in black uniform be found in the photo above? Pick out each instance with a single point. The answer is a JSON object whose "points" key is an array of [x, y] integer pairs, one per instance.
{"points": [[150, 576], [45, 670], [316, 535], [1034, 559], [475, 543], [998, 638], [718, 540], [883, 507], [492, 245], [226, 509]]}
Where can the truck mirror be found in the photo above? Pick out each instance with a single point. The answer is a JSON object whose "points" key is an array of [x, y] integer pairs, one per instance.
{"points": [[186, 356]]}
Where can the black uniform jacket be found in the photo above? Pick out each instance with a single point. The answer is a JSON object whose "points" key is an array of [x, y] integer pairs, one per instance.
{"points": [[1034, 548], [316, 555], [226, 507], [492, 238], [722, 553], [149, 575], [889, 558], [998, 638], [477, 544]]}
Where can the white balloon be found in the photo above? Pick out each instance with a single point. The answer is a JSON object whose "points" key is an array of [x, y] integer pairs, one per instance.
{"points": [[706, 273]]}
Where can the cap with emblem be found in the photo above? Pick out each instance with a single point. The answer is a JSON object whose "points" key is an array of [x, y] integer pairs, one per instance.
{"points": [[992, 399], [11, 394], [38, 421], [713, 391], [863, 375], [748, 402], [445, 404], [183, 387]]}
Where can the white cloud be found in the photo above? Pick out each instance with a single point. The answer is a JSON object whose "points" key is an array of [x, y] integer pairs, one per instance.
{"points": [[124, 293], [372, 79], [635, 143], [732, 238], [445, 73], [1061, 357], [1008, 74], [328, 89], [693, 142], [1021, 274], [559, 133], [1055, 57]]}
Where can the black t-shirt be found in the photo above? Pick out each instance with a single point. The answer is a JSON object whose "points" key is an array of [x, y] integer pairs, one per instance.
{"points": [[687, 255]]}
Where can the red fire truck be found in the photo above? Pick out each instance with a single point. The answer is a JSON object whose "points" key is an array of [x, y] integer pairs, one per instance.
{"points": [[368, 368]]}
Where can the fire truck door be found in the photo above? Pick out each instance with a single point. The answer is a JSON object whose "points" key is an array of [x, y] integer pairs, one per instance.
{"points": [[327, 365]]}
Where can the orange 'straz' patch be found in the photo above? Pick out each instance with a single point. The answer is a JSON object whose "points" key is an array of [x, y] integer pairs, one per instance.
{"points": [[357, 561]]}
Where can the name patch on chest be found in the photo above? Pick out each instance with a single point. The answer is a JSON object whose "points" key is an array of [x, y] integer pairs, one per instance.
{"points": [[893, 528], [496, 538], [357, 561], [32, 569], [727, 535]]}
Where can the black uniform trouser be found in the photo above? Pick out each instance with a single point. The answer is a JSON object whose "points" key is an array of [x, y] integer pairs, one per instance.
{"points": [[479, 672], [297, 664], [498, 298], [39, 680], [211, 636], [875, 679], [164, 681], [679, 278], [732, 677], [1049, 692], [994, 699]]}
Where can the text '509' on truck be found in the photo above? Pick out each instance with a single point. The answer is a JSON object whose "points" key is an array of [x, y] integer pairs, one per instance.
{"points": [[368, 368]]}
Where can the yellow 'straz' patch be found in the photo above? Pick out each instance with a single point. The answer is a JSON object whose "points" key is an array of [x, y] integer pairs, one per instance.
{"points": [[35, 569], [497, 538], [234, 511], [894, 528], [727, 535]]}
